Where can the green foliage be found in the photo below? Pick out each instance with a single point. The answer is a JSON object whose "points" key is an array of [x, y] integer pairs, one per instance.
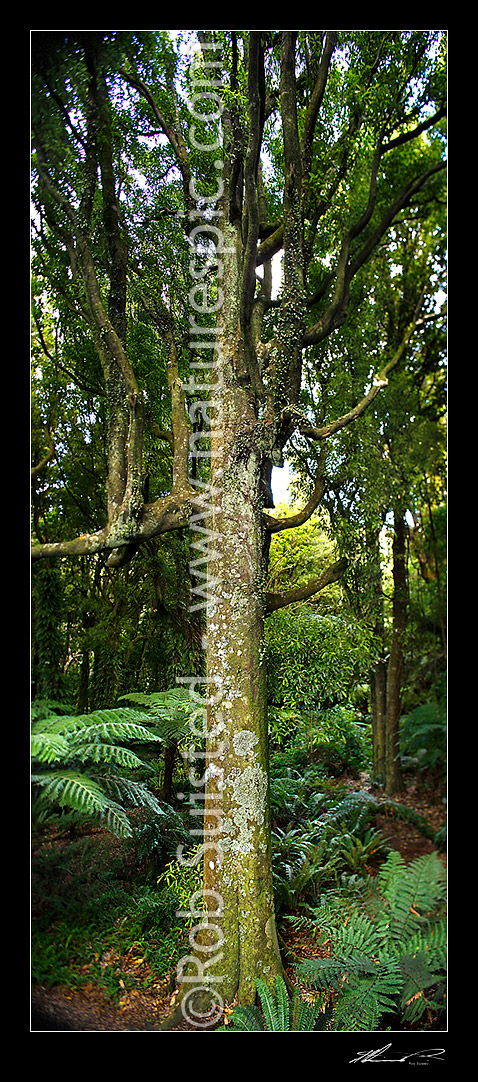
{"points": [[389, 962], [63, 747], [88, 931], [423, 736], [47, 631], [356, 851], [318, 837], [313, 659], [277, 1012], [171, 712], [338, 739], [158, 838], [184, 877]]}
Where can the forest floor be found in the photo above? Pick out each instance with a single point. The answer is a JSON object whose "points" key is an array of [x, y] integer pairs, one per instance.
{"points": [[145, 1008]]}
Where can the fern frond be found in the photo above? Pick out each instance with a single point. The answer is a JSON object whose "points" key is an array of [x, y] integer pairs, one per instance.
{"points": [[364, 1001], [282, 1005], [432, 940], [357, 934], [107, 753], [170, 711], [414, 895], [246, 1019], [48, 747], [160, 700], [81, 793], [132, 793], [304, 1015], [268, 1005], [322, 973], [100, 721], [419, 973]]}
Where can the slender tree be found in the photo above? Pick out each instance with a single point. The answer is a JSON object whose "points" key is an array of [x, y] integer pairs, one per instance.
{"points": [[308, 144]]}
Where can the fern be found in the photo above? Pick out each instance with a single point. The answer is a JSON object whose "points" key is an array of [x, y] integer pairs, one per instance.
{"points": [[411, 892], [245, 1019], [72, 741], [385, 964], [277, 1013], [171, 711], [84, 795]]}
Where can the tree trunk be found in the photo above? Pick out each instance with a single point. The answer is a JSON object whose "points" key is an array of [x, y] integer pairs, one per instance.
{"points": [[240, 944], [378, 701], [378, 673], [170, 753], [393, 779]]}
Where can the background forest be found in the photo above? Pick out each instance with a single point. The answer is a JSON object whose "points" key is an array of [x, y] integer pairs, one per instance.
{"points": [[356, 667]]}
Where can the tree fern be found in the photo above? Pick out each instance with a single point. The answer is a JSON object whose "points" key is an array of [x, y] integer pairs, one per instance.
{"points": [[83, 794], [97, 740], [170, 711]]}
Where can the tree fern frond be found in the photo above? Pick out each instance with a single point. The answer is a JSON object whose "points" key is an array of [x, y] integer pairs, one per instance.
{"points": [[107, 753], [95, 739], [48, 747], [73, 723], [112, 731], [81, 793], [168, 699], [170, 711], [133, 793]]}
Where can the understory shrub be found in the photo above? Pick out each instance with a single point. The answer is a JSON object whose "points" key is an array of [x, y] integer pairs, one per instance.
{"points": [[318, 837], [313, 659]]}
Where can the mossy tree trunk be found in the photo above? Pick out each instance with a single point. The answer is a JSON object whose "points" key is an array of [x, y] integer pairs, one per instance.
{"points": [[237, 865]]}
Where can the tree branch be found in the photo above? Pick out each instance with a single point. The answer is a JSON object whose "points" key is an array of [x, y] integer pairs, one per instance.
{"points": [[348, 268], [171, 512], [275, 525], [316, 101], [173, 134], [378, 382], [46, 459], [301, 593]]}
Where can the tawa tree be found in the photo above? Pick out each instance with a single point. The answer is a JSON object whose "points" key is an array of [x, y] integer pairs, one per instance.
{"points": [[170, 174]]}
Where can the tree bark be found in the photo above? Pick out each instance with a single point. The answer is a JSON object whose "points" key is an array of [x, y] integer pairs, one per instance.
{"points": [[393, 779], [240, 944]]}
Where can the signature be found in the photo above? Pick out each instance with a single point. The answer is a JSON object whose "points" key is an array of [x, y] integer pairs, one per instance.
{"points": [[377, 1055]]}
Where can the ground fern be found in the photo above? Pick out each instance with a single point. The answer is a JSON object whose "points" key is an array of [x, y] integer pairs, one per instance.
{"points": [[277, 1012], [390, 962]]}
